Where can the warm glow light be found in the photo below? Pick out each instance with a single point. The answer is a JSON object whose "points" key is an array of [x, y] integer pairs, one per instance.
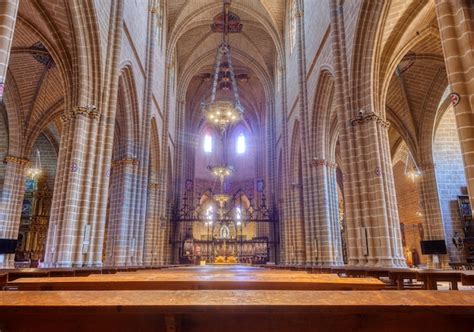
{"points": [[222, 113]]}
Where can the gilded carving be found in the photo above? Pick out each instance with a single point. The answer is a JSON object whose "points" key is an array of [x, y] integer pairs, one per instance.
{"points": [[15, 160], [88, 111]]}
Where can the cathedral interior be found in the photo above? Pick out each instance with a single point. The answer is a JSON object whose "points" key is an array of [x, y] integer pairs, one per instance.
{"points": [[267, 164]]}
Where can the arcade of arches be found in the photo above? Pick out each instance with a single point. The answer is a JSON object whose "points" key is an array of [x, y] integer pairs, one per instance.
{"points": [[355, 144]]}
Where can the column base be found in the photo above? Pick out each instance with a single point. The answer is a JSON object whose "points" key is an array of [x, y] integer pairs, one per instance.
{"points": [[7, 261]]}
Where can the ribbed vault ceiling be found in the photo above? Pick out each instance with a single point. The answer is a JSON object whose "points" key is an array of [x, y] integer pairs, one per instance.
{"points": [[255, 49]]}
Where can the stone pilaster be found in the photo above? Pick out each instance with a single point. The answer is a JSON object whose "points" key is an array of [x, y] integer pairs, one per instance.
{"points": [[455, 20], [8, 13], [11, 202]]}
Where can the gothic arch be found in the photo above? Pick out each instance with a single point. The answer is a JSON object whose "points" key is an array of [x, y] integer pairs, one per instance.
{"points": [[323, 113]]}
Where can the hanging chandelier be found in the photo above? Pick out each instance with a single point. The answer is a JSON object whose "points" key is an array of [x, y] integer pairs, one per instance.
{"points": [[35, 172], [221, 171], [223, 113], [412, 172]]}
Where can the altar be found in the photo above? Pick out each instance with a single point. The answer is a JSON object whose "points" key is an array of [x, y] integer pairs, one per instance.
{"points": [[230, 251]]}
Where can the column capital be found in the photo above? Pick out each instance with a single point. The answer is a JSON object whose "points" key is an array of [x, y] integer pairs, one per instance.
{"points": [[126, 161], [16, 160], [299, 13], [368, 117], [322, 162], [88, 111]]}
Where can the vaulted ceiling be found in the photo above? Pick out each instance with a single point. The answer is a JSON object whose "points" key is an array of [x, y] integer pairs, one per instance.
{"points": [[255, 49]]}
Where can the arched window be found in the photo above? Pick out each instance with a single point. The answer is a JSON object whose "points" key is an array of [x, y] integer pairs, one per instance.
{"points": [[238, 216], [241, 144], [207, 143], [292, 27]]}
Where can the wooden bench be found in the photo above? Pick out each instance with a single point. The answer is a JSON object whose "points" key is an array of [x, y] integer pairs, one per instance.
{"points": [[61, 272], [231, 311], [27, 273], [398, 277], [185, 280], [431, 277], [467, 278], [86, 271], [3, 279]]}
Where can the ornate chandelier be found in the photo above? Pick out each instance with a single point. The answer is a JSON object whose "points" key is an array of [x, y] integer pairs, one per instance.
{"points": [[221, 171], [35, 172], [223, 113]]}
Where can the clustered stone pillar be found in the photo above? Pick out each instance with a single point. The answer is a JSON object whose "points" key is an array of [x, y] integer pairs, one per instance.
{"points": [[373, 226], [70, 229], [320, 235], [152, 228], [433, 228], [456, 24], [11, 202], [13, 187], [323, 234], [8, 13], [121, 238]]}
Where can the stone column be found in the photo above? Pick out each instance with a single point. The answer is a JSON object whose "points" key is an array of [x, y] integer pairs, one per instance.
{"points": [[121, 238], [11, 203], [324, 232], [373, 226], [284, 214], [433, 226], [151, 246], [303, 217], [69, 230], [320, 221], [8, 12], [456, 24]]}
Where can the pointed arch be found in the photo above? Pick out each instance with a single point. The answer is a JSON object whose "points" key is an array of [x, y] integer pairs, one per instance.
{"points": [[323, 114]]}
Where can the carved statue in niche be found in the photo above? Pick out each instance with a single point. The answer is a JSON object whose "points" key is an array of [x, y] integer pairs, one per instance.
{"points": [[225, 232]]}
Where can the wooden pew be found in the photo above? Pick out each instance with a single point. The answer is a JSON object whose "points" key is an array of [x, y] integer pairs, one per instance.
{"points": [[3, 279], [467, 278], [431, 277], [109, 270], [61, 272], [233, 311], [398, 276], [190, 280], [86, 271], [27, 273]]}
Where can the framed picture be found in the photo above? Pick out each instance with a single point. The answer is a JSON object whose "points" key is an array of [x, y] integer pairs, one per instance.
{"points": [[260, 186]]}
